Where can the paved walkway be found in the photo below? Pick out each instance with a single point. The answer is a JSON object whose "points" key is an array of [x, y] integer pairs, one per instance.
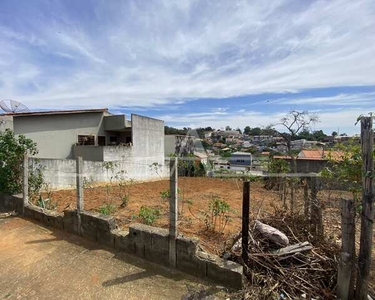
{"points": [[39, 263]]}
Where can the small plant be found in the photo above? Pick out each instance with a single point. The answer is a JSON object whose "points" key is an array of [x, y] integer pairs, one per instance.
{"points": [[165, 195], [36, 179], [149, 214], [88, 183], [123, 187], [124, 200], [156, 167], [216, 218], [107, 209], [46, 203]]}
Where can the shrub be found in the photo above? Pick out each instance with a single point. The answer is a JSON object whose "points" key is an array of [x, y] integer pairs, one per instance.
{"points": [[36, 180], [107, 209], [165, 195], [12, 150], [149, 215], [217, 213]]}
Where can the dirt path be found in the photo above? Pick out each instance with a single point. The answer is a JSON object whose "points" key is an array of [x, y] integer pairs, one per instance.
{"points": [[38, 263]]}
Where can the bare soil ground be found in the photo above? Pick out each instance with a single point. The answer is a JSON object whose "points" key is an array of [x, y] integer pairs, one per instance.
{"points": [[195, 195], [41, 263]]}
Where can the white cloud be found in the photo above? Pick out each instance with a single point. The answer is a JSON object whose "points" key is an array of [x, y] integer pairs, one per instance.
{"points": [[337, 100], [136, 54], [332, 120]]}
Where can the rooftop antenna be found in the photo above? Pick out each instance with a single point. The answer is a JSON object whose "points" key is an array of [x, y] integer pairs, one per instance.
{"points": [[13, 106]]}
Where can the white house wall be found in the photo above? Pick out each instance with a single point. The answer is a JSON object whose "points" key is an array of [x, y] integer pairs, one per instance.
{"points": [[61, 173], [55, 134], [138, 161]]}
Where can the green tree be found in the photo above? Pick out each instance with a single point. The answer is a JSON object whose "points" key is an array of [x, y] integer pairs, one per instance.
{"points": [[255, 131], [12, 150], [346, 170], [319, 135], [247, 130]]}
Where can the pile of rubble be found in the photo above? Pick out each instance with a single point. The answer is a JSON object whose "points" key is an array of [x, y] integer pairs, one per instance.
{"points": [[285, 261]]}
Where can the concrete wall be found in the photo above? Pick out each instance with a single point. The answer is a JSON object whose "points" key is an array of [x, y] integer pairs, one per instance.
{"points": [[61, 173], [147, 242], [308, 166], [116, 122], [6, 122], [56, 134], [92, 153]]}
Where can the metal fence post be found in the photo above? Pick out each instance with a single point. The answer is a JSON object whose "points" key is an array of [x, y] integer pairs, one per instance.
{"points": [[173, 211]]}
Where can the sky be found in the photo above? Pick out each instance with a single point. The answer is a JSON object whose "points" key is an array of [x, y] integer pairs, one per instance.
{"points": [[193, 63]]}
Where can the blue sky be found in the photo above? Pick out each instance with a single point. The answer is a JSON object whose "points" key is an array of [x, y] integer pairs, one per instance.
{"points": [[193, 63]]}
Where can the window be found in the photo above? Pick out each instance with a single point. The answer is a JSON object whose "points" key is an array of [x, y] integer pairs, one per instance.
{"points": [[113, 140], [86, 140], [101, 140], [240, 160]]}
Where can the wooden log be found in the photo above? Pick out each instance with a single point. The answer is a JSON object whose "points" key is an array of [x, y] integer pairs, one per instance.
{"points": [[367, 217], [272, 234], [292, 249], [345, 277], [316, 218], [306, 198], [245, 220]]}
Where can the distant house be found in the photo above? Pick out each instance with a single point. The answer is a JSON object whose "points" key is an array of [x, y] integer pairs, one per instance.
{"points": [[240, 161], [201, 157], [262, 139], [314, 160], [228, 133], [207, 134], [220, 164], [301, 144]]}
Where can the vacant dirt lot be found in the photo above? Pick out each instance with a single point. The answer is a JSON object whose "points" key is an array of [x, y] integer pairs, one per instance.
{"points": [[195, 195]]}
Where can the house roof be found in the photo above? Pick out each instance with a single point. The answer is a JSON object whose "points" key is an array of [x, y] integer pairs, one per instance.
{"points": [[321, 154], [241, 153], [55, 112], [316, 154], [200, 154]]}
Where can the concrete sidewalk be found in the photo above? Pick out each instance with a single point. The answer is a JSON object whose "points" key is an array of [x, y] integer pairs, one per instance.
{"points": [[39, 263]]}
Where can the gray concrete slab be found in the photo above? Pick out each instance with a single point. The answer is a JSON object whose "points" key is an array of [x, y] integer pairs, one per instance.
{"points": [[41, 263]]}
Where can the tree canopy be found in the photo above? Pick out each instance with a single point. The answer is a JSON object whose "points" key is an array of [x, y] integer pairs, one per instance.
{"points": [[12, 150]]}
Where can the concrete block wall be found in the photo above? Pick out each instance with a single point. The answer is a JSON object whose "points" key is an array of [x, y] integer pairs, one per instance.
{"points": [[61, 173], [150, 243]]}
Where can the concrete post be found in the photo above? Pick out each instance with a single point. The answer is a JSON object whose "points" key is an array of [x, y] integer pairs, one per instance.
{"points": [[173, 211], [79, 180], [25, 181]]}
